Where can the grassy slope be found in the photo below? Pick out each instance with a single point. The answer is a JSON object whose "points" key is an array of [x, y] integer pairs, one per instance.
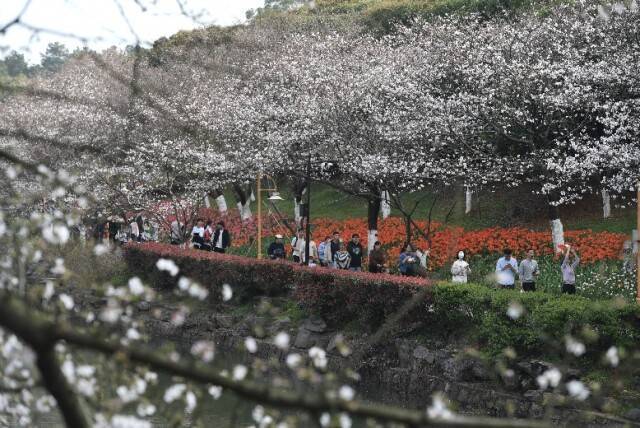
{"points": [[490, 209]]}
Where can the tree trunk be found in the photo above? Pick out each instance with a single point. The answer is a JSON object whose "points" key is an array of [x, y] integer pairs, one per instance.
{"points": [[385, 205], [407, 230], [373, 206], [221, 202], [299, 189], [557, 229], [468, 200], [606, 204], [243, 202]]}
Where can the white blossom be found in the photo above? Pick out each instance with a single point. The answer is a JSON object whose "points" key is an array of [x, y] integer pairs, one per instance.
{"points": [[215, 391], [167, 265], [251, 345], [577, 390], [204, 349], [293, 360], [174, 392], [136, 287], [239, 372], [318, 356], [515, 310], [612, 356], [346, 393], [282, 340], [227, 292], [574, 347]]}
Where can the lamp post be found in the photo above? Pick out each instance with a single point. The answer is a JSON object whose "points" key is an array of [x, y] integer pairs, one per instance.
{"points": [[275, 196], [307, 233], [638, 245]]}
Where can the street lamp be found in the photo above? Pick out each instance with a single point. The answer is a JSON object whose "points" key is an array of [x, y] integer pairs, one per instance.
{"points": [[274, 196], [637, 246]]}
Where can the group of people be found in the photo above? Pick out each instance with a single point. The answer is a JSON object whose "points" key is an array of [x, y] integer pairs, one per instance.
{"points": [[528, 271], [117, 230], [204, 236], [332, 252]]}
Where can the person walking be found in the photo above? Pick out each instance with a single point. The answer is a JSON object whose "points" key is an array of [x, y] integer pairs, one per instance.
{"points": [[276, 250], [295, 250], [568, 267], [377, 259], [460, 269], [325, 255], [408, 261], [342, 259], [506, 270], [140, 222], [313, 250], [134, 231], [528, 272], [335, 244], [221, 238], [354, 247]]}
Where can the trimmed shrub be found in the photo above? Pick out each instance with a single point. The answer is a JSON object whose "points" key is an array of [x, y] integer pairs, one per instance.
{"points": [[545, 321], [468, 310], [338, 296]]}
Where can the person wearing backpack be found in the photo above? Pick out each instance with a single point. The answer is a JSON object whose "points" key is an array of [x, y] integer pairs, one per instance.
{"points": [[460, 269]]}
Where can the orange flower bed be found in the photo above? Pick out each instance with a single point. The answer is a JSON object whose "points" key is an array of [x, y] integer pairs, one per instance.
{"points": [[445, 242]]}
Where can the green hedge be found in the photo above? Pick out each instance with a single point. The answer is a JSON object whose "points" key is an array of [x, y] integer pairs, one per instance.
{"points": [[469, 310], [481, 313]]}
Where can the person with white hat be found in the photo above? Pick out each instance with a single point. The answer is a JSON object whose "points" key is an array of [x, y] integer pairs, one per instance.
{"points": [[276, 250], [460, 269]]}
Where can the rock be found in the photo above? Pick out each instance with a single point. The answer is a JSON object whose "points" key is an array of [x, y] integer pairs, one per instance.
{"points": [[536, 411], [464, 369], [331, 347], [533, 395], [422, 353], [405, 355], [279, 325], [224, 321], [633, 414], [305, 339], [315, 324], [144, 306]]}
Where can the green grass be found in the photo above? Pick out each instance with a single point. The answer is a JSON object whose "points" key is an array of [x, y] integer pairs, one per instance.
{"points": [[490, 209]]}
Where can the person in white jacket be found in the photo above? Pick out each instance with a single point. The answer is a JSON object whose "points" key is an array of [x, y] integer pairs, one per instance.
{"points": [[313, 250], [460, 269]]}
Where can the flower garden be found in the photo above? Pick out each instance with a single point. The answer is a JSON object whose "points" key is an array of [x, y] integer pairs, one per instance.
{"points": [[600, 274]]}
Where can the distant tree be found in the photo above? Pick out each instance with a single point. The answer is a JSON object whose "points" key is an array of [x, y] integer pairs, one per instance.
{"points": [[53, 58], [15, 64], [276, 5]]}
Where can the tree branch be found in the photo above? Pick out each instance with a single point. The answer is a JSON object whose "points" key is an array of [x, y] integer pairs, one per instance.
{"points": [[41, 334]]}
